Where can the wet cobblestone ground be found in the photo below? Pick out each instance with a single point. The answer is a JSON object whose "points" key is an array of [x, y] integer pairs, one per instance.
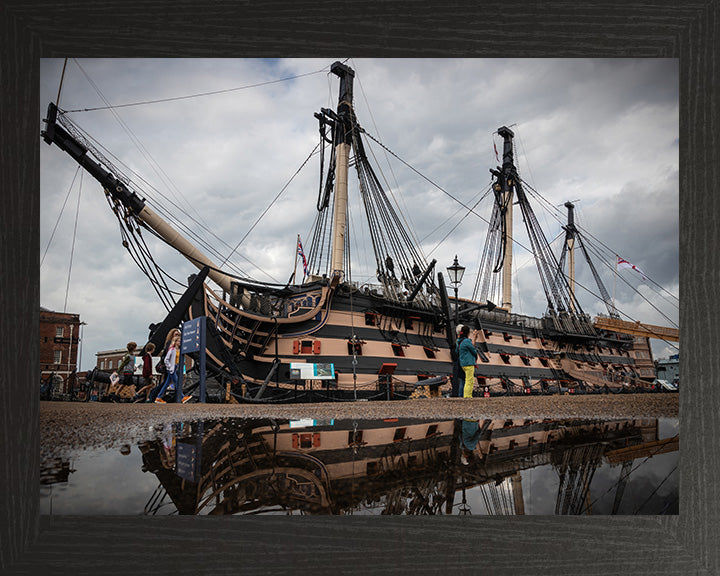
{"points": [[70, 426]]}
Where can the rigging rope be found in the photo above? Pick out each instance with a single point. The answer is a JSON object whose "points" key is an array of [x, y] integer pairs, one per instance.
{"points": [[59, 216], [72, 249], [277, 196], [198, 95]]}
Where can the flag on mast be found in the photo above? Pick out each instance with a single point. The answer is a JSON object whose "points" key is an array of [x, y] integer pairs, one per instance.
{"points": [[622, 263], [496, 152], [301, 253]]}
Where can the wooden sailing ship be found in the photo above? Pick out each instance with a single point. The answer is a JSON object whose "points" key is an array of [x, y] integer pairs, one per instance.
{"points": [[393, 340]]}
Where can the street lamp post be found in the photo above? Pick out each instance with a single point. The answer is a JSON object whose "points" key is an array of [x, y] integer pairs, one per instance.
{"points": [[78, 367], [455, 273]]}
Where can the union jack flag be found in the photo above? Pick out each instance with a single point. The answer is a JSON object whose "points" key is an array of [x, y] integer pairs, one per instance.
{"points": [[302, 255]]}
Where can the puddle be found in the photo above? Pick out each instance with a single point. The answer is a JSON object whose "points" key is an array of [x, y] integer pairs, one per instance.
{"points": [[391, 466]]}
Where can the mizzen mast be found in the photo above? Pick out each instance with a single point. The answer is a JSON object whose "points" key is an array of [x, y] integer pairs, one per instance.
{"points": [[504, 186], [570, 244]]}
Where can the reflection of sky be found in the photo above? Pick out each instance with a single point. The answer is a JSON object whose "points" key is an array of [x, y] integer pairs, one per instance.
{"points": [[104, 482], [107, 482]]}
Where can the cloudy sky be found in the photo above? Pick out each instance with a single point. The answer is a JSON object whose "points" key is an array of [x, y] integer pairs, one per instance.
{"points": [[601, 133]]}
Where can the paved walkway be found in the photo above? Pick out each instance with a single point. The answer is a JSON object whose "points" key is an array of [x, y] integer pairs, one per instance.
{"points": [[76, 425]]}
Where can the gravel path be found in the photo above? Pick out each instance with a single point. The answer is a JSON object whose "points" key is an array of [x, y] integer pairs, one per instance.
{"points": [[73, 426]]}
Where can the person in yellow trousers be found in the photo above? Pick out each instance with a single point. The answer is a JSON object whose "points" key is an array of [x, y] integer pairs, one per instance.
{"points": [[467, 356]]}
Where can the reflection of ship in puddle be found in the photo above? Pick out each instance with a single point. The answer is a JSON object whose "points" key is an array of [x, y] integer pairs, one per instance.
{"points": [[392, 466]]}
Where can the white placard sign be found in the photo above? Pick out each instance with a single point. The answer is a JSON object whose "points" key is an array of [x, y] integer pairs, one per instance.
{"points": [[307, 371]]}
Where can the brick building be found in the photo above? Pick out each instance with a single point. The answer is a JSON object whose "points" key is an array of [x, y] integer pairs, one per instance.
{"points": [[109, 360], [59, 339]]}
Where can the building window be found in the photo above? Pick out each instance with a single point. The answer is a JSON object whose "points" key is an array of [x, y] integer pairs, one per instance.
{"points": [[58, 356], [102, 364], [109, 364], [306, 347], [59, 331]]}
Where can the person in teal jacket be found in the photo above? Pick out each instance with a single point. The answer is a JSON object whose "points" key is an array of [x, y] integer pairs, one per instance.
{"points": [[467, 356]]}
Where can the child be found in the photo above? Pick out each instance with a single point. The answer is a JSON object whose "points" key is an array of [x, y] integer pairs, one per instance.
{"points": [[126, 369], [146, 373], [172, 363]]}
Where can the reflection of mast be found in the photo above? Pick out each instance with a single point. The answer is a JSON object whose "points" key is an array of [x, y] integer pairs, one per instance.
{"points": [[454, 459], [518, 499], [504, 497], [624, 473], [576, 471]]}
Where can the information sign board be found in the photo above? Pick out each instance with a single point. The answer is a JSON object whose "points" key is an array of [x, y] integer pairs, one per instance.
{"points": [[191, 336], [307, 371]]}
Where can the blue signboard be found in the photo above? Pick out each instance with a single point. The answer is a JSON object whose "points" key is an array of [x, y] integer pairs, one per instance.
{"points": [[193, 340], [189, 454], [186, 461], [191, 335]]}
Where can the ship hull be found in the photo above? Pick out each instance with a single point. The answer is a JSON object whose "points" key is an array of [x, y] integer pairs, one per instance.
{"points": [[382, 350]]}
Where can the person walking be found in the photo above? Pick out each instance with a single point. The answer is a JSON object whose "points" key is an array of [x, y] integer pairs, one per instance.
{"points": [[467, 356], [126, 370], [172, 363], [148, 383], [161, 369]]}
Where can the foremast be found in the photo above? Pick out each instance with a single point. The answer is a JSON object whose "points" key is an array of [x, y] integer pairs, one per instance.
{"points": [[343, 141]]}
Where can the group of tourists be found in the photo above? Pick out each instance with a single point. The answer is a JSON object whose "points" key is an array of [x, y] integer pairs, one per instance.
{"points": [[150, 390]]}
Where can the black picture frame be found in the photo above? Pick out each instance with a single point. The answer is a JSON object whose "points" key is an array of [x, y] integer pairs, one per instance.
{"points": [[682, 544]]}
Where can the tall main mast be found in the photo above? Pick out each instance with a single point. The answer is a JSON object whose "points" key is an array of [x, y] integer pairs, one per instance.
{"points": [[343, 140]]}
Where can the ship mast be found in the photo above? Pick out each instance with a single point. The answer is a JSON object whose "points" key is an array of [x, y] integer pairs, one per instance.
{"points": [[343, 139], [571, 252], [507, 185]]}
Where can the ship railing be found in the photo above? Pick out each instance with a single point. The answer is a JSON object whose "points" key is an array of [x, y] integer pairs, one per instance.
{"points": [[504, 317]]}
